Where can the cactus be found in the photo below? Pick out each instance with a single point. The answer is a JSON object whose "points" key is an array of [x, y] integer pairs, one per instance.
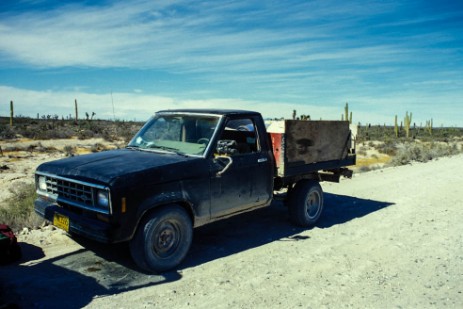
{"points": [[347, 116], [407, 122], [305, 117], [11, 113], [396, 127], [77, 111], [429, 126]]}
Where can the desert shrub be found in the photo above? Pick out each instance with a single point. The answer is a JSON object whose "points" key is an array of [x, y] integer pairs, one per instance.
{"points": [[19, 209], [44, 131], [126, 130], [109, 134], [97, 147], [6, 132], [86, 134], [413, 152], [92, 128], [52, 128], [362, 151], [69, 151], [389, 147], [422, 152]]}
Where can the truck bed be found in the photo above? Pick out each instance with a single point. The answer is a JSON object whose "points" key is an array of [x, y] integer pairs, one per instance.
{"points": [[302, 147]]}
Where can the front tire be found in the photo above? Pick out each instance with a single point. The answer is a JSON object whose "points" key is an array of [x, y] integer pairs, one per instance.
{"points": [[305, 203], [163, 239]]}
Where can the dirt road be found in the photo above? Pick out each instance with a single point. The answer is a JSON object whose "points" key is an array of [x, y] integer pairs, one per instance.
{"points": [[390, 238]]}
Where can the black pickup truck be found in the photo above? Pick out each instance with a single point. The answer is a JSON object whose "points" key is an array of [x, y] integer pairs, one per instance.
{"points": [[187, 168]]}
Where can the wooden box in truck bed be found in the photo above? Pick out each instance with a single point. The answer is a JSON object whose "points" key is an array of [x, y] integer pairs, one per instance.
{"points": [[303, 147]]}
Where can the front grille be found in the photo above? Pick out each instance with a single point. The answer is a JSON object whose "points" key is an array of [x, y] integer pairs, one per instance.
{"points": [[72, 192]]}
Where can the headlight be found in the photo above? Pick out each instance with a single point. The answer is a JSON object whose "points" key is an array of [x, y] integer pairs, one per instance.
{"points": [[42, 183], [103, 198]]}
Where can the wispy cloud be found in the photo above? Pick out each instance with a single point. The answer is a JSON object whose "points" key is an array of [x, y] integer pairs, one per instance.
{"points": [[317, 54], [178, 35]]}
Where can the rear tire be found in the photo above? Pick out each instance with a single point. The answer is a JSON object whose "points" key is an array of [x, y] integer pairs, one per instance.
{"points": [[163, 239], [305, 203]]}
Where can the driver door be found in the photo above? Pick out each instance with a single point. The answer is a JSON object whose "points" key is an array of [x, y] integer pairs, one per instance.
{"points": [[241, 175]]}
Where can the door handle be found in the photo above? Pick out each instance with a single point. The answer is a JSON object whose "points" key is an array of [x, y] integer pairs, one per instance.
{"points": [[260, 160]]}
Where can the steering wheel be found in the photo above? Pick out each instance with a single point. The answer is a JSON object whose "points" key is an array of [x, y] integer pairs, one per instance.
{"points": [[203, 140]]}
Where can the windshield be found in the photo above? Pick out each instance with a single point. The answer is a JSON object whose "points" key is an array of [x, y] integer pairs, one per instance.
{"points": [[188, 134]]}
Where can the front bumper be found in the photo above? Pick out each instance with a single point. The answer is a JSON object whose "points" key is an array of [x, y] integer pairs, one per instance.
{"points": [[80, 225]]}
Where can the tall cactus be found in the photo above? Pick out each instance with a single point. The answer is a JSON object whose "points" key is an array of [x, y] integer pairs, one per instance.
{"points": [[77, 111], [407, 123], [396, 127], [11, 113], [429, 126], [347, 116]]}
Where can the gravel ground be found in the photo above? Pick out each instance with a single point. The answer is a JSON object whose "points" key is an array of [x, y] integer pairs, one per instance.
{"points": [[389, 238]]}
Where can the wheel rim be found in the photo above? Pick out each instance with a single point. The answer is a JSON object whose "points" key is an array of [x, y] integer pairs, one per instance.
{"points": [[167, 239], [313, 203]]}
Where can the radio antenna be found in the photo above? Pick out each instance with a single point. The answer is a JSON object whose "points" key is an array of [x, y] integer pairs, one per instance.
{"points": [[112, 101]]}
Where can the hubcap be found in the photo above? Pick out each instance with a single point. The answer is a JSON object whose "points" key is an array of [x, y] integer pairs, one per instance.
{"points": [[313, 204], [167, 239]]}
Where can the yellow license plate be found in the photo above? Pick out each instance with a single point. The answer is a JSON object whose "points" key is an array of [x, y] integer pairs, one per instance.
{"points": [[61, 222]]}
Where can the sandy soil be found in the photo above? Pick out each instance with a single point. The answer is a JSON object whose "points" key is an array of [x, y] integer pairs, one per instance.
{"points": [[389, 238], [20, 158]]}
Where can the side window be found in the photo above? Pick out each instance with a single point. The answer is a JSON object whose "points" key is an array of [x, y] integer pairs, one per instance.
{"points": [[238, 137]]}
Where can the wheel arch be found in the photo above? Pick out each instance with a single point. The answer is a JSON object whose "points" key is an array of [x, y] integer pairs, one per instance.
{"points": [[155, 203]]}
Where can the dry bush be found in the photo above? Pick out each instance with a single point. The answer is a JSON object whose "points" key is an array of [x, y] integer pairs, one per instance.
{"points": [[19, 210], [389, 147], [6, 132], [362, 151], [422, 152], [50, 128], [69, 151], [97, 147]]}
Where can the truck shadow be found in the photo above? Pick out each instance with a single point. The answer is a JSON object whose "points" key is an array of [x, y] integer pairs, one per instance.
{"points": [[74, 279], [260, 227], [340, 209]]}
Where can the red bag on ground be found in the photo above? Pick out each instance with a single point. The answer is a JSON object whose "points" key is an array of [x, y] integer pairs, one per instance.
{"points": [[9, 247]]}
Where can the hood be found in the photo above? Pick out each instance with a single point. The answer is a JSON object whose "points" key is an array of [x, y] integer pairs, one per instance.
{"points": [[107, 166]]}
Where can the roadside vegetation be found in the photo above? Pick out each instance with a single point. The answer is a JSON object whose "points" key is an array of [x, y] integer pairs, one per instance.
{"points": [[421, 146], [52, 127], [19, 211]]}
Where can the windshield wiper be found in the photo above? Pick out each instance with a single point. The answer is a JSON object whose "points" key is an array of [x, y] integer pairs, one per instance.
{"points": [[169, 149]]}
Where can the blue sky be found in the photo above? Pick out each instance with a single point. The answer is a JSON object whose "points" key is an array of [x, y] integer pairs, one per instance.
{"points": [[383, 57]]}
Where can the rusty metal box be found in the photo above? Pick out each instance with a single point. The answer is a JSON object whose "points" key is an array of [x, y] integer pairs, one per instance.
{"points": [[298, 144]]}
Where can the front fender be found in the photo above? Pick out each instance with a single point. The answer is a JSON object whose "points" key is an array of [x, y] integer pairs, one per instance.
{"points": [[165, 198], [160, 200]]}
